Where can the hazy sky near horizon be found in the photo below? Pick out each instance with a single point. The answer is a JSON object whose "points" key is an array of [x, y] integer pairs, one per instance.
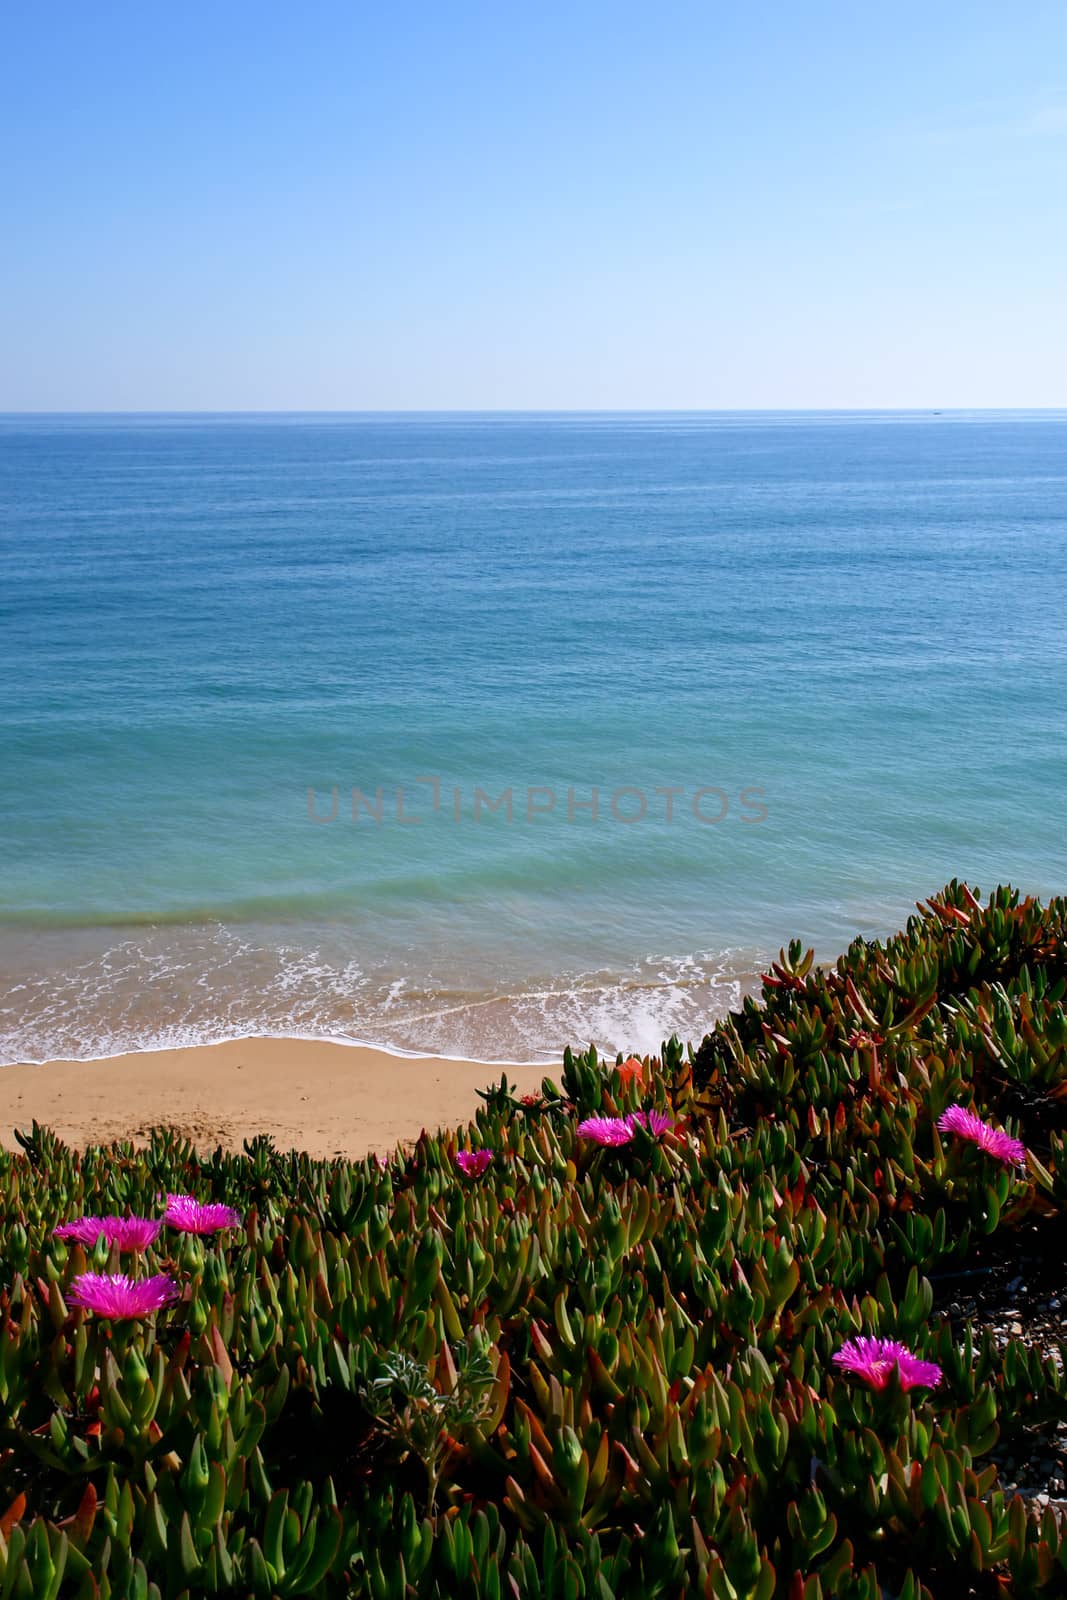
{"points": [[583, 205]]}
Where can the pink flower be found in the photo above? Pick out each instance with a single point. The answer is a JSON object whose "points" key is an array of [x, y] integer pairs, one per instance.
{"points": [[192, 1217], [116, 1295], [606, 1130], [874, 1360], [957, 1119], [129, 1233], [655, 1122], [473, 1162], [83, 1230], [620, 1130]]}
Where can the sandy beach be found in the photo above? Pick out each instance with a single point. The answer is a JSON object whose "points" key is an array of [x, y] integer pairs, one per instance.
{"points": [[327, 1099]]}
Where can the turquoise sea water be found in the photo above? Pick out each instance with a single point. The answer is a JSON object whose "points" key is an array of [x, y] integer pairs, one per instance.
{"points": [[846, 629]]}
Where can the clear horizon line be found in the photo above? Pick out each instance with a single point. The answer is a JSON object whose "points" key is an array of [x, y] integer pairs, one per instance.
{"points": [[518, 411]]}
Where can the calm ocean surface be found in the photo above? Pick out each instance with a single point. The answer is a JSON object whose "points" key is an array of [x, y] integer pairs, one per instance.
{"points": [[841, 635]]}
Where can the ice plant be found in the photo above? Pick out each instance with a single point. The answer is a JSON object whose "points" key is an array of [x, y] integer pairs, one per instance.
{"points": [[83, 1230], [192, 1217], [957, 1119], [115, 1295], [606, 1130], [473, 1162], [620, 1130], [129, 1233], [873, 1360], [654, 1122]]}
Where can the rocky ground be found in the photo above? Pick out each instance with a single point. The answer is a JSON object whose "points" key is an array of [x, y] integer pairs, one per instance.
{"points": [[1017, 1288]]}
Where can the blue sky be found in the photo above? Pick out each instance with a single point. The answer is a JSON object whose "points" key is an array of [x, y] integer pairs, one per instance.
{"points": [[340, 205]]}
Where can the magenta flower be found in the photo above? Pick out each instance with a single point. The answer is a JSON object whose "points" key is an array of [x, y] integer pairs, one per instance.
{"points": [[957, 1119], [873, 1360], [620, 1130], [655, 1122], [83, 1230], [115, 1295], [192, 1217], [473, 1162], [129, 1233], [606, 1130]]}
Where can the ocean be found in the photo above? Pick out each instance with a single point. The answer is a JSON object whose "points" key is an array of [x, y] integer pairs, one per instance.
{"points": [[303, 717]]}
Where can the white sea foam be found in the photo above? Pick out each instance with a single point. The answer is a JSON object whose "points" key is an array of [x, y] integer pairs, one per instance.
{"points": [[81, 998]]}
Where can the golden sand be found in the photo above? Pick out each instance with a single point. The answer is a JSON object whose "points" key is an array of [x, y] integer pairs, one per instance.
{"points": [[327, 1099]]}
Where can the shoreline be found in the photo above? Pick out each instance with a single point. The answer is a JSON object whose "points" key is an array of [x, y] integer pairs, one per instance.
{"points": [[324, 1097], [86, 994], [254, 1035]]}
